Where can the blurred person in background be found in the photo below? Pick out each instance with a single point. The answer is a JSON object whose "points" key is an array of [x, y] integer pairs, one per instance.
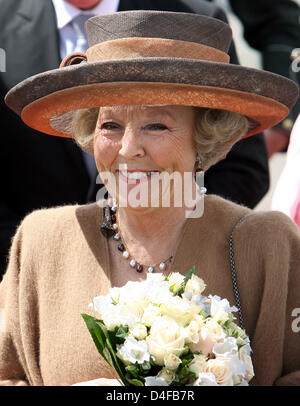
{"points": [[272, 27], [286, 197], [36, 35]]}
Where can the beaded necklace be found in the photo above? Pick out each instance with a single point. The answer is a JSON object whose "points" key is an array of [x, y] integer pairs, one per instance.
{"points": [[110, 228]]}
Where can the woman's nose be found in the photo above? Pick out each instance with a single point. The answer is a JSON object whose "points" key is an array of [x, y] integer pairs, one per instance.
{"points": [[131, 144]]}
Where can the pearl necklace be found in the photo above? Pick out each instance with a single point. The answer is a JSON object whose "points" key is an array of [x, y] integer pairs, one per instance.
{"points": [[161, 266]]}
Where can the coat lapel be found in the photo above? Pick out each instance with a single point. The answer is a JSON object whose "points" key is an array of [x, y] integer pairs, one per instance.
{"points": [[34, 46], [33, 41]]}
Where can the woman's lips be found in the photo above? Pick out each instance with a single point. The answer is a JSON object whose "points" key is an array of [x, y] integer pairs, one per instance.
{"points": [[136, 176]]}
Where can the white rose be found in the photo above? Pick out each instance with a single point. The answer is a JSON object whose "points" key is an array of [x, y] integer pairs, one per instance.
{"points": [[134, 308], [159, 293], [179, 310], [175, 281], [165, 337], [199, 320], [133, 351], [244, 356], [167, 375], [205, 379], [226, 347], [210, 334], [112, 321], [139, 331], [218, 307], [237, 380], [136, 290], [101, 304], [151, 313], [195, 284], [171, 361], [192, 332], [221, 368], [120, 314], [198, 364], [221, 316]]}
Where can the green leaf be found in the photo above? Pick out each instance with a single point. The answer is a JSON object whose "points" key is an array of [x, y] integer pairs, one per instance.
{"points": [[135, 382], [122, 332], [190, 273], [133, 370], [96, 334], [101, 339], [188, 276], [114, 359], [202, 313], [172, 287], [176, 383], [185, 375], [185, 362]]}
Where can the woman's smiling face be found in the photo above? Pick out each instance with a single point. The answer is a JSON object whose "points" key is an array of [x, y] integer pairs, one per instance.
{"points": [[137, 142]]}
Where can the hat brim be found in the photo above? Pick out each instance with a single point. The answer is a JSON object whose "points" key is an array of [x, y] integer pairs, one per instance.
{"points": [[47, 101]]}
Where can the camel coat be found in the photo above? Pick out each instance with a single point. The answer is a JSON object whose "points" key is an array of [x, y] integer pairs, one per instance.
{"points": [[59, 261]]}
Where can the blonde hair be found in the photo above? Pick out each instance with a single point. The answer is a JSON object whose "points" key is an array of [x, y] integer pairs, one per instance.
{"points": [[84, 125], [215, 132]]}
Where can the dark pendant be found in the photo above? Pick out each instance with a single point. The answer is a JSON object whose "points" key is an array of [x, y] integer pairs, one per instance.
{"points": [[139, 268], [106, 227], [121, 247]]}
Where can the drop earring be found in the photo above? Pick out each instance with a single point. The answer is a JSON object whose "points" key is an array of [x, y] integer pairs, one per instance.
{"points": [[200, 192], [199, 176]]}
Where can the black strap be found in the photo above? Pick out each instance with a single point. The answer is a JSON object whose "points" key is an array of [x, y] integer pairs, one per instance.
{"points": [[233, 274]]}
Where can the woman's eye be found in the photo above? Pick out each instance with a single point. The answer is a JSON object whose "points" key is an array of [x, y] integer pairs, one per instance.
{"points": [[109, 126], [156, 127]]}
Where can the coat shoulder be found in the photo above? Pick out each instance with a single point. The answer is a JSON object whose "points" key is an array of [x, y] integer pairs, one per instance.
{"points": [[273, 224], [48, 216], [248, 224], [56, 223], [270, 235]]}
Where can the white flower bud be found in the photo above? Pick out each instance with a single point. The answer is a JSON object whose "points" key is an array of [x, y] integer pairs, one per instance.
{"points": [[171, 361], [192, 332], [175, 281], [195, 284], [115, 295], [167, 375], [139, 331]]}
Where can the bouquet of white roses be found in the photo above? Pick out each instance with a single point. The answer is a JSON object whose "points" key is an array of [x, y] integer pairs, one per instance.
{"points": [[164, 332]]}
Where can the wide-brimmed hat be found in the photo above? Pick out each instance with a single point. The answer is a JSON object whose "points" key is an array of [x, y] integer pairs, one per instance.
{"points": [[152, 58]]}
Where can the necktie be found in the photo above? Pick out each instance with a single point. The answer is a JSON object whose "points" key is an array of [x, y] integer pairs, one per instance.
{"points": [[81, 46], [78, 26]]}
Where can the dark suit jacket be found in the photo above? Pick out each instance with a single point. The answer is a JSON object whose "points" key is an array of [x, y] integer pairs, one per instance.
{"points": [[272, 27], [39, 170]]}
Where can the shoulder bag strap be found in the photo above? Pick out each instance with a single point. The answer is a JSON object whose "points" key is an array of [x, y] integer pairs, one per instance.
{"points": [[233, 273]]}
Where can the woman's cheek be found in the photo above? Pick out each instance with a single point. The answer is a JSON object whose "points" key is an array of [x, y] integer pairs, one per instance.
{"points": [[105, 152], [174, 152], [161, 152]]}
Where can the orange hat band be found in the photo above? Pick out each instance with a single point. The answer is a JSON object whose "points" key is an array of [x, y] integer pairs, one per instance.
{"points": [[136, 47]]}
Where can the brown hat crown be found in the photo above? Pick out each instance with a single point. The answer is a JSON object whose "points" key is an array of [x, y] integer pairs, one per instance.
{"points": [[159, 24]]}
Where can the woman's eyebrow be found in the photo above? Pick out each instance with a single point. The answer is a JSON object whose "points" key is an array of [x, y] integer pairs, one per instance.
{"points": [[153, 114]]}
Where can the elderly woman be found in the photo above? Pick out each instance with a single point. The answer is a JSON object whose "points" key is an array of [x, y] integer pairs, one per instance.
{"points": [[156, 97]]}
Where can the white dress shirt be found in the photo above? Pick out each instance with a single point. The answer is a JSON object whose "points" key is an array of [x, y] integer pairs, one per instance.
{"points": [[66, 13]]}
